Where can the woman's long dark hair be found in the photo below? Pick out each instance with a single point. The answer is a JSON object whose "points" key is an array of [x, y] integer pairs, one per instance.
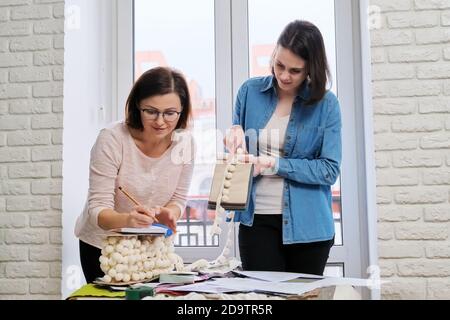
{"points": [[305, 40]]}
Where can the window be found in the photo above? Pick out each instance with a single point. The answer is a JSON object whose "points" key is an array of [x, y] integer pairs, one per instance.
{"points": [[262, 40], [219, 37], [164, 42], [228, 41]]}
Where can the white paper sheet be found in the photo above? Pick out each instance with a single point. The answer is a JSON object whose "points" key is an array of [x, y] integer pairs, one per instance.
{"points": [[222, 285], [276, 276], [248, 285], [355, 282], [205, 287]]}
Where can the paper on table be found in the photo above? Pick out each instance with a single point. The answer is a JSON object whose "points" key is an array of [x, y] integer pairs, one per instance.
{"points": [[356, 282], [296, 288], [178, 278], [276, 276], [149, 285], [243, 284], [205, 287], [222, 285]]}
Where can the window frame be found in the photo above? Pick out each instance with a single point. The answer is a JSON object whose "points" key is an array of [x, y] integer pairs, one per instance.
{"points": [[358, 251]]}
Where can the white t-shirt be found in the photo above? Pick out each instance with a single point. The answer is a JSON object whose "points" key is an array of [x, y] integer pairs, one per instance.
{"points": [[269, 188]]}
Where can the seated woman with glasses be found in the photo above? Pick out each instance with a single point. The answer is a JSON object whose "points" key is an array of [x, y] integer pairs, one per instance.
{"points": [[148, 155]]}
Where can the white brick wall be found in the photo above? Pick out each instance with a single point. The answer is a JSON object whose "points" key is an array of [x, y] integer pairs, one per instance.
{"points": [[31, 121], [410, 63]]}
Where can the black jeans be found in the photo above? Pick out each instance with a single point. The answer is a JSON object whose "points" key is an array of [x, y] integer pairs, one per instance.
{"points": [[261, 248], [89, 257]]}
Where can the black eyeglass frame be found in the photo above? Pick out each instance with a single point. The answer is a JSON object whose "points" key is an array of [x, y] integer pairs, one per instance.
{"points": [[164, 114]]}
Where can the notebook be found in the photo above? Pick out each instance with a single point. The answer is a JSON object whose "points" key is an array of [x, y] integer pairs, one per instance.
{"points": [[239, 191], [155, 229]]}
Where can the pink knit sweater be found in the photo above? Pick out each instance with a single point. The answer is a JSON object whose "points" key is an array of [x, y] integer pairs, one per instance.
{"points": [[117, 161]]}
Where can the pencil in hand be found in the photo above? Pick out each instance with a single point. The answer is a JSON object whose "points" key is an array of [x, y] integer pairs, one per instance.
{"points": [[133, 200]]}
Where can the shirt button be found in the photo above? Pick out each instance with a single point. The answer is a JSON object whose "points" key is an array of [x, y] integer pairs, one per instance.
{"points": [[286, 222], [286, 204], [288, 138]]}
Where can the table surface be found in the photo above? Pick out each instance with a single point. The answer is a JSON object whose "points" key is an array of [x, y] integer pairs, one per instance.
{"points": [[341, 292]]}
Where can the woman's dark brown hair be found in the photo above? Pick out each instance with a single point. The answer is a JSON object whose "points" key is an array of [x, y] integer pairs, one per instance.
{"points": [[305, 40], [155, 82]]}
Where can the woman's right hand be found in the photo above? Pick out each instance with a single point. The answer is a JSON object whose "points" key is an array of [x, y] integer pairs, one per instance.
{"points": [[235, 139], [140, 217]]}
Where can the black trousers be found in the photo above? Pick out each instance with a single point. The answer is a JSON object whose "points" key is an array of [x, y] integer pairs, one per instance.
{"points": [[89, 257], [261, 248]]}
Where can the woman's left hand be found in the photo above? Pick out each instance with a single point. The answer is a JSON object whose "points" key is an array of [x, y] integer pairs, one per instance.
{"points": [[167, 216]]}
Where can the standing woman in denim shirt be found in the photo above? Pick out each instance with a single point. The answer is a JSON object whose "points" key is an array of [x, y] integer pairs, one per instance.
{"points": [[291, 126]]}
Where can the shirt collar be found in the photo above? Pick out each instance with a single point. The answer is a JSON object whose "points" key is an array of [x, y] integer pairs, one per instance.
{"points": [[304, 92]]}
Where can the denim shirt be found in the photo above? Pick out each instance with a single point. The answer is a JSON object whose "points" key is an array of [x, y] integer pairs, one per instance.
{"points": [[310, 163]]}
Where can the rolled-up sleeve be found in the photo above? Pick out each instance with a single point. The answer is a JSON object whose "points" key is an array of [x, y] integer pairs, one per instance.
{"points": [[106, 155]]}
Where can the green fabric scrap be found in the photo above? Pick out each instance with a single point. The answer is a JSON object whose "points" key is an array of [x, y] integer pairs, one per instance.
{"points": [[92, 290]]}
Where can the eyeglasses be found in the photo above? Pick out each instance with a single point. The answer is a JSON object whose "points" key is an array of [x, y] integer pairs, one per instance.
{"points": [[153, 114]]}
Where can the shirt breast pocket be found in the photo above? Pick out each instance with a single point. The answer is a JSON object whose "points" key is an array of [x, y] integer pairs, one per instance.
{"points": [[308, 143]]}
